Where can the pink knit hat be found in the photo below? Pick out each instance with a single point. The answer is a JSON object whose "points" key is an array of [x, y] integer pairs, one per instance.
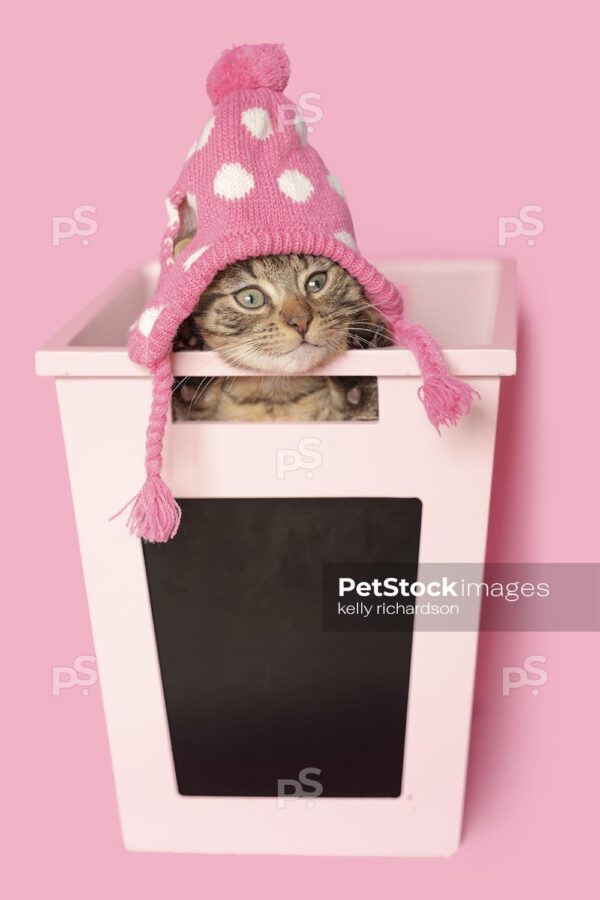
{"points": [[252, 186]]}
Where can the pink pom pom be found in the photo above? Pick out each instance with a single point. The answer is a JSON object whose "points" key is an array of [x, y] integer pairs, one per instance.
{"points": [[248, 67], [155, 515], [446, 398]]}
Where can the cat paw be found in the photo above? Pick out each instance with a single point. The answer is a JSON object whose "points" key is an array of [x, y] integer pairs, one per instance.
{"points": [[354, 395]]}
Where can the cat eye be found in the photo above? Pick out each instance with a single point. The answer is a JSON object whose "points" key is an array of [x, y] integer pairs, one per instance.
{"points": [[250, 298], [316, 282]]}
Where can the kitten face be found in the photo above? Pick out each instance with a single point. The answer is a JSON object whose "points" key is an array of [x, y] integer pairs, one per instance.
{"points": [[286, 314]]}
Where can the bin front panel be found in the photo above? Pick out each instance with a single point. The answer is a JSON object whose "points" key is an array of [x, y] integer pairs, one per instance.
{"points": [[256, 690]]}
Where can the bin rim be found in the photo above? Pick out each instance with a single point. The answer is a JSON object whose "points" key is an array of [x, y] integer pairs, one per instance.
{"points": [[63, 357]]}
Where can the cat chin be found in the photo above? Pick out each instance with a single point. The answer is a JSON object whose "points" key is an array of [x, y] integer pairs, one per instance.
{"points": [[303, 359]]}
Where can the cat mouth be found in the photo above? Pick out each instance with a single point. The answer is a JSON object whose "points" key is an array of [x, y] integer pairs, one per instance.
{"points": [[303, 344]]}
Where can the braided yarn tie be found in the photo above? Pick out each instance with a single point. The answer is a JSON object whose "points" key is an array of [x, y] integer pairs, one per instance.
{"points": [[155, 514], [445, 397]]}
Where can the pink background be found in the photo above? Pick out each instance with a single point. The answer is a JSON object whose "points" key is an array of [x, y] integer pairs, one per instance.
{"points": [[438, 118]]}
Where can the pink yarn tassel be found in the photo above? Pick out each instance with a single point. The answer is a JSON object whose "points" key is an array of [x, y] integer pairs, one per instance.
{"points": [[155, 515], [445, 397]]}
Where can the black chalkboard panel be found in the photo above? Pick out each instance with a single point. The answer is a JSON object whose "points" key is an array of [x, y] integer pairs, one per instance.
{"points": [[256, 691]]}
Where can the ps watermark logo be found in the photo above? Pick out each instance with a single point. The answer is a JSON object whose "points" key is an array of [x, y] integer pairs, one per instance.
{"points": [[302, 115], [77, 225], [306, 456], [523, 225], [530, 674], [299, 786], [81, 674]]}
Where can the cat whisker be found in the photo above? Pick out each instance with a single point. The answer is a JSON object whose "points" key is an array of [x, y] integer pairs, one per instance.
{"points": [[367, 326], [197, 396], [178, 384], [244, 353], [193, 400], [363, 341], [350, 311]]}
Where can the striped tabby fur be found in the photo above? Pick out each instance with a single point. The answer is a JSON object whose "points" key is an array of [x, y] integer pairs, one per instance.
{"points": [[295, 330]]}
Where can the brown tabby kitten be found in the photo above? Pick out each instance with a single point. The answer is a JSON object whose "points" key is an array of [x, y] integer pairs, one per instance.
{"points": [[284, 316]]}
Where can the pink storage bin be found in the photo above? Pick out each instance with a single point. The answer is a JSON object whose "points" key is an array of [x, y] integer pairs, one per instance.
{"points": [[161, 725]]}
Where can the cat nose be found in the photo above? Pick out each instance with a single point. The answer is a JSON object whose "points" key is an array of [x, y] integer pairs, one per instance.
{"points": [[300, 322]]}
